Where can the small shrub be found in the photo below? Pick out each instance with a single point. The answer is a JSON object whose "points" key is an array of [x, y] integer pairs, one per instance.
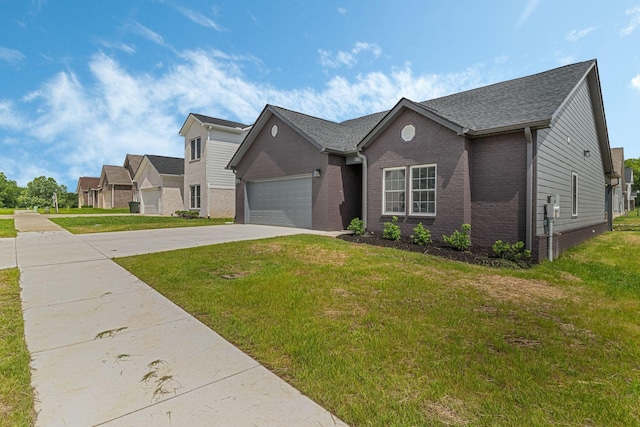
{"points": [[460, 240], [391, 230], [514, 252], [357, 226], [421, 235], [188, 214]]}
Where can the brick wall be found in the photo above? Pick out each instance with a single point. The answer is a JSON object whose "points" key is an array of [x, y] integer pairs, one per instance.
{"points": [[498, 189], [433, 144]]}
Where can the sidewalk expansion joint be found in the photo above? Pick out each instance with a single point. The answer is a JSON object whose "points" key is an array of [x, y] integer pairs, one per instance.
{"points": [[124, 333], [104, 295], [179, 395]]}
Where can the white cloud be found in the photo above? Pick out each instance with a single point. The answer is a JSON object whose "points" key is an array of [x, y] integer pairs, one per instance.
{"points": [[118, 46], [199, 18], [635, 82], [526, 13], [11, 55], [342, 11], [348, 59], [634, 13], [575, 35], [148, 34], [9, 119], [79, 126]]}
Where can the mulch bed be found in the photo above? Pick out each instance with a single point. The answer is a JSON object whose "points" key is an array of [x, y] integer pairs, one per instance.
{"points": [[475, 254]]}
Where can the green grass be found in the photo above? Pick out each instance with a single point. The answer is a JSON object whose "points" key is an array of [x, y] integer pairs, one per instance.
{"points": [[7, 228], [382, 337], [4, 211], [628, 222], [80, 225], [16, 395], [84, 211]]}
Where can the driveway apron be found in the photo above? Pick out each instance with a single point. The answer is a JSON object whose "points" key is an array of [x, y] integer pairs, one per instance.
{"points": [[109, 350]]}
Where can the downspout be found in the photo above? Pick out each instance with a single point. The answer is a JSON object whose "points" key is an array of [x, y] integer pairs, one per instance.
{"points": [[529, 199], [206, 174], [113, 195], [364, 187]]}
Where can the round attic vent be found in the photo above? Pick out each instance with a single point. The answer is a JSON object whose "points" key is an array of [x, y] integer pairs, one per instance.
{"points": [[274, 130], [408, 133]]}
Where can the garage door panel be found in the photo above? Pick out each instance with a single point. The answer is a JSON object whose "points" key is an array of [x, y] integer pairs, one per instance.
{"points": [[285, 202], [150, 201]]}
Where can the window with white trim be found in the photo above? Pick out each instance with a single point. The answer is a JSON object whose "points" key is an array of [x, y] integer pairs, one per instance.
{"points": [[194, 197], [196, 149], [574, 194], [423, 190], [393, 190]]}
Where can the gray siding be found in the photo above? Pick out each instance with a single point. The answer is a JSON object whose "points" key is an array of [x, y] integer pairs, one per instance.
{"points": [[556, 159]]}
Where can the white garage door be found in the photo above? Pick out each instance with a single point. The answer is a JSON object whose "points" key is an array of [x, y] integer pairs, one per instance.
{"points": [[150, 201], [285, 202]]}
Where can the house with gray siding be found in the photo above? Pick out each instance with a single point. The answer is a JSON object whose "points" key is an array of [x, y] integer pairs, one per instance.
{"points": [[209, 144], [492, 157], [630, 200], [619, 190]]}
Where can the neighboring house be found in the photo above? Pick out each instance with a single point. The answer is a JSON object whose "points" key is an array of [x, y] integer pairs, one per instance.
{"points": [[619, 189], [630, 200], [131, 164], [490, 157], [209, 144], [115, 187], [85, 190], [160, 183]]}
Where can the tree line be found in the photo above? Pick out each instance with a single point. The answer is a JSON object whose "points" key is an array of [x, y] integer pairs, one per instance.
{"points": [[38, 192]]}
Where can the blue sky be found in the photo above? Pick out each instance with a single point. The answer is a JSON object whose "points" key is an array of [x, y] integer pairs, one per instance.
{"points": [[86, 81]]}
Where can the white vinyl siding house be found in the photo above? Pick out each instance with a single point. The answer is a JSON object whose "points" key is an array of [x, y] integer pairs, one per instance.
{"points": [[209, 145]]}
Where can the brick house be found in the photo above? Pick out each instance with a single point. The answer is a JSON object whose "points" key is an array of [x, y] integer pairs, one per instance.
{"points": [[492, 157]]}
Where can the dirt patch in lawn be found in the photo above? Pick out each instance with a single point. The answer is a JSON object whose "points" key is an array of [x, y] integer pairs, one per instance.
{"points": [[506, 288]]}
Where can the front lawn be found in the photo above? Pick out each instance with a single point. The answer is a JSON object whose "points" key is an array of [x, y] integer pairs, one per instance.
{"points": [[16, 395], [628, 222], [5, 211], [101, 224], [7, 228], [84, 211], [382, 337]]}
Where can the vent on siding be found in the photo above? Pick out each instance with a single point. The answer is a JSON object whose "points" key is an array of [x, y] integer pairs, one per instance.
{"points": [[408, 133], [274, 130]]}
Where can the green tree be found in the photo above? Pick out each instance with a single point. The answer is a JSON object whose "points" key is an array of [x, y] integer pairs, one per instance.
{"points": [[9, 192], [635, 165], [39, 192]]}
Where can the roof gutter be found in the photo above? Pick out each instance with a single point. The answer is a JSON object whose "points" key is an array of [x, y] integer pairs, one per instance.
{"points": [[539, 124]]}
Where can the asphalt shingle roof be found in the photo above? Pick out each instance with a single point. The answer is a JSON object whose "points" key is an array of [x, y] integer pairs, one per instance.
{"points": [[87, 182], [117, 175], [331, 135], [221, 122], [525, 100], [167, 165]]}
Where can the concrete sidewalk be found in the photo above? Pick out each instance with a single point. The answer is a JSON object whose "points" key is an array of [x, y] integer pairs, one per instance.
{"points": [[109, 350]]}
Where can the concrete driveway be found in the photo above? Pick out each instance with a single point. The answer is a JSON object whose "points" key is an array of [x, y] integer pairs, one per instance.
{"points": [[109, 350]]}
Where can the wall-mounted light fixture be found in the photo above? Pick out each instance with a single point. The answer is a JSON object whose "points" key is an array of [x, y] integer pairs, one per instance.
{"points": [[238, 180], [587, 153], [316, 173]]}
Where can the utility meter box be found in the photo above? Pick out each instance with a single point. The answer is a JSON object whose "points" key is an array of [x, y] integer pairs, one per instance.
{"points": [[552, 207]]}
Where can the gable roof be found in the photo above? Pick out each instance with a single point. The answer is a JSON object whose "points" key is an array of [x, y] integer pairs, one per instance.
{"points": [[87, 182], [325, 135], [532, 101], [132, 163], [527, 101], [210, 121], [117, 175], [167, 165]]}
